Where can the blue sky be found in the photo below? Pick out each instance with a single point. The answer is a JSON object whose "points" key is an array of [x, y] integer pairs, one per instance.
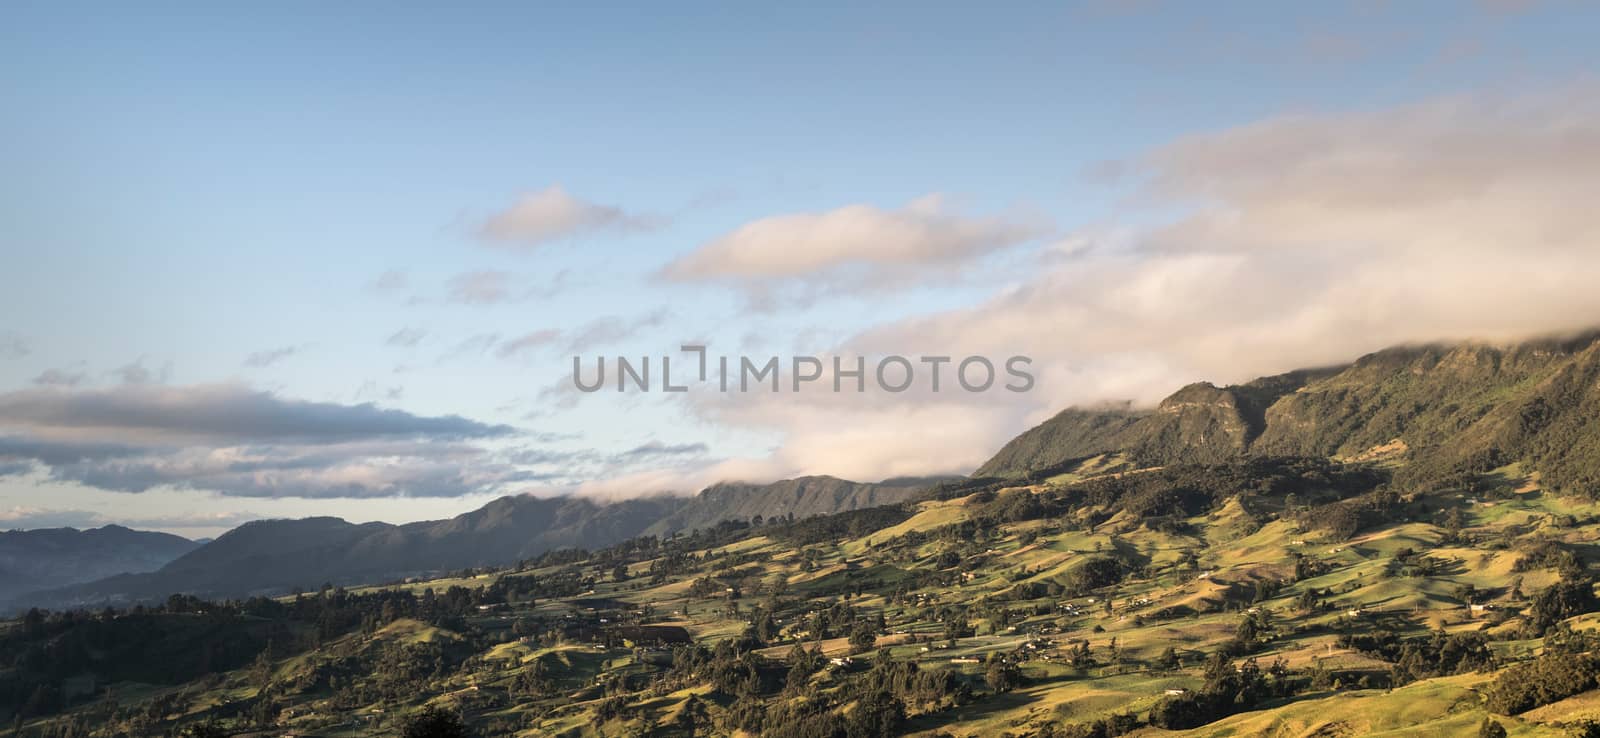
{"points": [[184, 187]]}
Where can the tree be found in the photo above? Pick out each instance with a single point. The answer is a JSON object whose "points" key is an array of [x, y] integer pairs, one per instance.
{"points": [[877, 714], [1491, 729], [434, 722], [862, 637], [1001, 676], [765, 628]]}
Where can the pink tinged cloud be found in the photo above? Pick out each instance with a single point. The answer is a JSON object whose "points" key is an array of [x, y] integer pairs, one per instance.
{"points": [[882, 243], [553, 214], [1306, 240]]}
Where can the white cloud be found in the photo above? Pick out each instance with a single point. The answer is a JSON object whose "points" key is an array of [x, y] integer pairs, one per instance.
{"points": [[28, 518], [552, 214], [1308, 240], [852, 247]]}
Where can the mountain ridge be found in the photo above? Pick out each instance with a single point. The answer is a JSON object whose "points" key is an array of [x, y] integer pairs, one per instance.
{"points": [[267, 557], [49, 557], [1463, 407]]}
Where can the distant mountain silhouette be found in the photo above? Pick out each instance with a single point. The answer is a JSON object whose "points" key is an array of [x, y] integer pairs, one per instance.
{"points": [[270, 557], [55, 557]]}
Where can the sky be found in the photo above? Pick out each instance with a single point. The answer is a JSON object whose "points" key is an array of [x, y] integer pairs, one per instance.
{"points": [[300, 259]]}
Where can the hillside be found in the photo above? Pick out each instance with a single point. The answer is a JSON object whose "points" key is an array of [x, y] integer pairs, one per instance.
{"points": [[802, 497], [38, 559], [1203, 600], [1442, 409]]}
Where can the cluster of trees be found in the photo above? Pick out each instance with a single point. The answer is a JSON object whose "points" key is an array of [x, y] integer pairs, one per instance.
{"points": [[1573, 595], [1343, 519], [1548, 554], [838, 526], [1546, 679], [186, 639], [1424, 657], [1228, 688]]}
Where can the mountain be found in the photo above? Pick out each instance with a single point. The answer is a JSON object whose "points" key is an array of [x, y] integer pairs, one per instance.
{"points": [[54, 557], [801, 497], [1441, 409], [277, 556]]}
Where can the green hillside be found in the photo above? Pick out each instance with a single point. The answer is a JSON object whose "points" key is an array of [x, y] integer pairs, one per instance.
{"points": [[1440, 409]]}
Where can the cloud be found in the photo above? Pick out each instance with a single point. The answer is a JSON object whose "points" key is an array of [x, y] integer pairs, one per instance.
{"points": [[220, 411], [656, 450], [1298, 241], [485, 287], [227, 519], [494, 287], [612, 329], [390, 281], [474, 345], [406, 337], [369, 390], [241, 442], [19, 451], [603, 331], [262, 359], [13, 346], [851, 247], [527, 342], [137, 373], [344, 471], [31, 518], [553, 214], [60, 378]]}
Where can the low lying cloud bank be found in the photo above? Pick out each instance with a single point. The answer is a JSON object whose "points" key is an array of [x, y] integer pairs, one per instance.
{"points": [[1308, 240], [29, 518]]}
